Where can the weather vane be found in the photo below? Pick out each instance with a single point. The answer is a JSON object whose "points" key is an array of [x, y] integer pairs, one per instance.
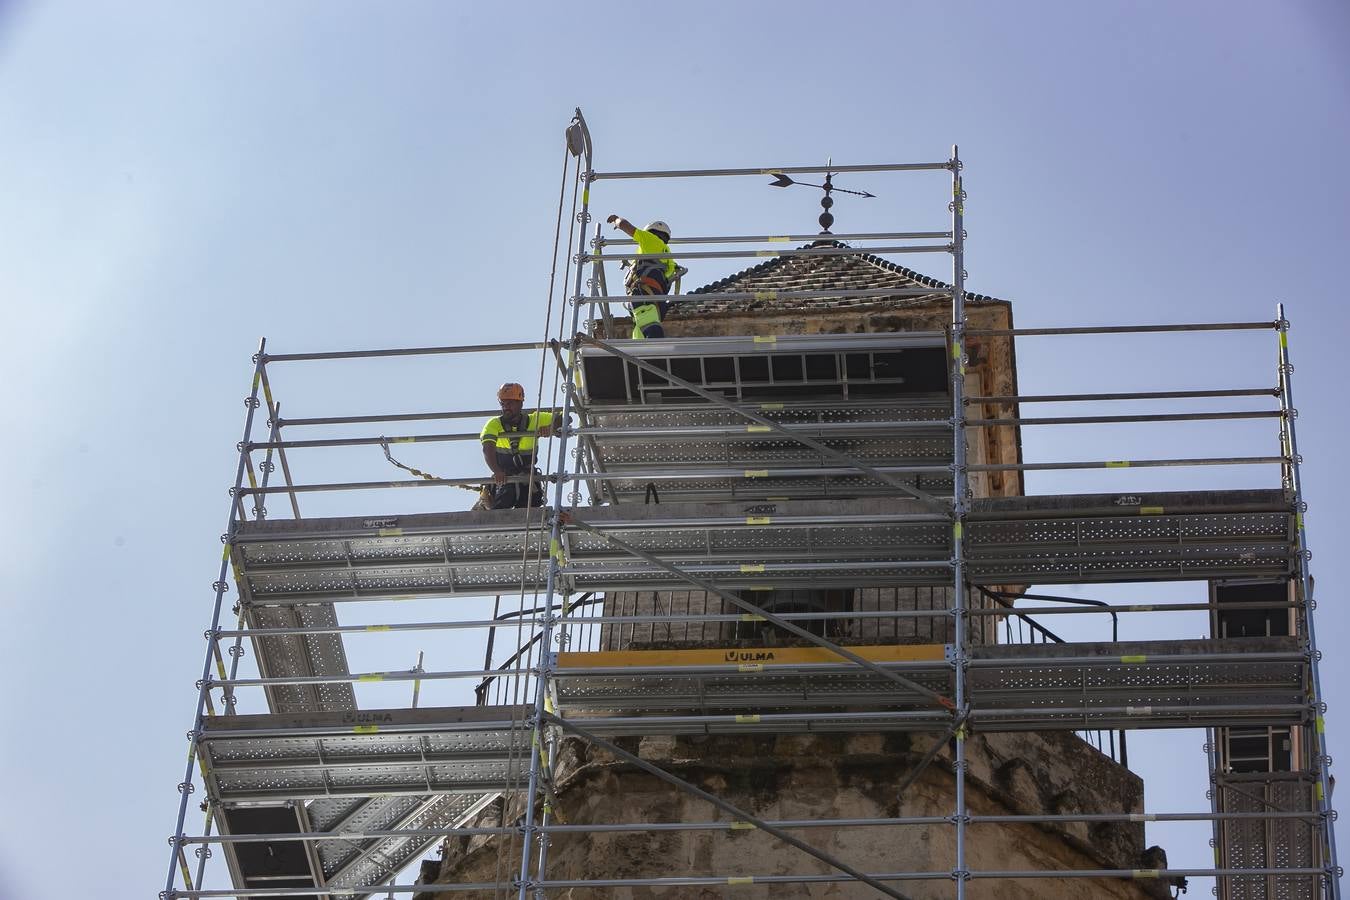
{"points": [[826, 217]]}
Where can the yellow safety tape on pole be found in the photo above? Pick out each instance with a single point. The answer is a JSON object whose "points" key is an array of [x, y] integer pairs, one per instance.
{"points": [[1134, 659], [957, 529], [1145, 873], [374, 676], [390, 532], [752, 567], [182, 864], [766, 295], [748, 720], [770, 406], [752, 617], [756, 473], [744, 879], [759, 587], [766, 253], [780, 240], [750, 667], [757, 429], [365, 729], [741, 825], [765, 339], [757, 520], [1150, 510], [1117, 464], [377, 628]]}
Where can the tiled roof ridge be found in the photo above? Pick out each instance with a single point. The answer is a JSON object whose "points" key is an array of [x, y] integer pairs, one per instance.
{"points": [[764, 268]]}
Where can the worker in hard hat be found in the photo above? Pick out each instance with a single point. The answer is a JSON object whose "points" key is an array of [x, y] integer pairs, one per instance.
{"points": [[648, 277], [508, 449]]}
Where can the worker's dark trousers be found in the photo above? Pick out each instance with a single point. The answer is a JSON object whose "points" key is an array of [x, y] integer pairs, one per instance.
{"points": [[516, 496]]}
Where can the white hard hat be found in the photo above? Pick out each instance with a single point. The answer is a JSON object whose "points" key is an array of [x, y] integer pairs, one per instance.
{"points": [[660, 226]]}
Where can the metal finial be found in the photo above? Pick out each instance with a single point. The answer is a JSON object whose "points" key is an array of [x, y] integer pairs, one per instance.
{"points": [[826, 218]]}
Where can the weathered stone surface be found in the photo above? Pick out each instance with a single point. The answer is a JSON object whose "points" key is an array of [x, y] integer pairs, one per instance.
{"points": [[836, 776]]}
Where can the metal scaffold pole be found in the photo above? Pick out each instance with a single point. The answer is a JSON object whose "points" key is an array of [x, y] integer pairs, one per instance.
{"points": [[960, 506], [579, 141], [1321, 760], [251, 404]]}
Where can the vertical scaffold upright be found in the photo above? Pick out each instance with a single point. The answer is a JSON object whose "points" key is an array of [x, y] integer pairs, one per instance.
{"points": [[753, 440]]}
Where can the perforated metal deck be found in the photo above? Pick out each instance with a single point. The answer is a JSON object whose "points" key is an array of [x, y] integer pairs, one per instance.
{"points": [[1274, 843], [866, 542], [355, 772], [1155, 684]]}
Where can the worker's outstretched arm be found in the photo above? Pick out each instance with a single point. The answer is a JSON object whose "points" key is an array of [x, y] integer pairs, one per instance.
{"points": [[490, 457], [622, 224]]}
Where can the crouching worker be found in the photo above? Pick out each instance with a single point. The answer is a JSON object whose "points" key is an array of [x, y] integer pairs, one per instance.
{"points": [[648, 277], [508, 449]]}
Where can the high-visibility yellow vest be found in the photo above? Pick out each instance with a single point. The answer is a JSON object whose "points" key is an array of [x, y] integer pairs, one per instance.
{"points": [[515, 442]]}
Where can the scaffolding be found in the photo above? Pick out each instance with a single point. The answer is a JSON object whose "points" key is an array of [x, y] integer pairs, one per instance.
{"points": [[308, 795]]}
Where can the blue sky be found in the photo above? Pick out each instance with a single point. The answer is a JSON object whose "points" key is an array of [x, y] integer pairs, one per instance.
{"points": [[181, 179]]}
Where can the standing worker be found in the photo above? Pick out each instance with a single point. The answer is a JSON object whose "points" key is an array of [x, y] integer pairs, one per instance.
{"points": [[648, 277], [508, 449]]}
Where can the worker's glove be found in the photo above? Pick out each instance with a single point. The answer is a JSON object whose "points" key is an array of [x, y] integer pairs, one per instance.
{"points": [[499, 478]]}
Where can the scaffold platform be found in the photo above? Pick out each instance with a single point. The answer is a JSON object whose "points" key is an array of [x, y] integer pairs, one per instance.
{"points": [[1092, 538], [345, 779], [1065, 686]]}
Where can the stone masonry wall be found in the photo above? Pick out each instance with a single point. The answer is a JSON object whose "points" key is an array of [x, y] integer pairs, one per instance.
{"points": [[834, 776]]}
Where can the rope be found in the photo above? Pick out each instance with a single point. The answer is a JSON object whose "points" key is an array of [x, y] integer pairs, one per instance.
{"points": [[483, 491], [513, 768]]}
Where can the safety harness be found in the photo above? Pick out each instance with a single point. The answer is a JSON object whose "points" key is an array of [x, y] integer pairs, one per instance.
{"points": [[647, 277]]}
